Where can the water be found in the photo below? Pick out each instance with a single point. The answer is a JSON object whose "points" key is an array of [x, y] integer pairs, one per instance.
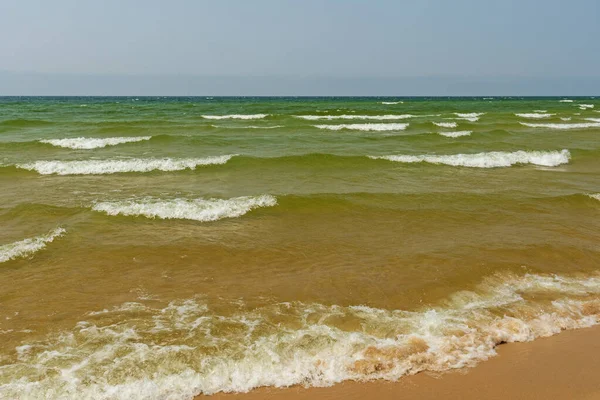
{"points": [[165, 247]]}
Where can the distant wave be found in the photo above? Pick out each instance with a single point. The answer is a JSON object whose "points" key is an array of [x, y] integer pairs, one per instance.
{"points": [[469, 115], [197, 210], [593, 119], [455, 134], [565, 101], [585, 106], [333, 117], [364, 127], [446, 124], [93, 143], [565, 118], [262, 127], [392, 102], [236, 116], [534, 115], [487, 160], [562, 126], [27, 247], [96, 167]]}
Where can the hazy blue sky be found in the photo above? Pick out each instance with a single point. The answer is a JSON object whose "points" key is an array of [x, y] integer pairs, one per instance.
{"points": [[376, 40]]}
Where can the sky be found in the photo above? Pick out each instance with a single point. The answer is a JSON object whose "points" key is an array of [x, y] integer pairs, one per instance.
{"points": [[300, 47]]}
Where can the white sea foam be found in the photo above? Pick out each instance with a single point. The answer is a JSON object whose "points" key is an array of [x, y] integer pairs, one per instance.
{"points": [[262, 127], [29, 246], [492, 159], [334, 117], [455, 134], [185, 348], [364, 127], [565, 118], [446, 124], [562, 126], [593, 119], [236, 116], [93, 143], [197, 209], [97, 167], [540, 111], [469, 115], [534, 115], [595, 196], [585, 106], [392, 102], [565, 101]]}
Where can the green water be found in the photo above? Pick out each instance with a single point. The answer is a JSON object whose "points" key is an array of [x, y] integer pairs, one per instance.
{"points": [[220, 244]]}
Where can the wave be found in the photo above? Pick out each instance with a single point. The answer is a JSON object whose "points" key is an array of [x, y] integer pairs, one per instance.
{"points": [[487, 160], [24, 123], [197, 209], [364, 127], [595, 196], [565, 118], [261, 127], [333, 117], [565, 101], [236, 116], [29, 246], [455, 134], [585, 106], [562, 126], [469, 115], [446, 124], [593, 119], [93, 143], [98, 167], [392, 102], [535, 115], [469, 119], [189, 346]]}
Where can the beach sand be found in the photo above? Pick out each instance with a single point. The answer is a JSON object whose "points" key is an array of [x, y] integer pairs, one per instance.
{"points": [[565, 366]]}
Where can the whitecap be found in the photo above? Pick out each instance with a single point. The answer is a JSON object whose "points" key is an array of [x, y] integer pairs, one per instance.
{"points": [[585, 106], [565, 118], [534, 115], [562, 126], [469, 115], [392, 102], [93, 143], [446, 124], [236, 116], [565, 101], [455, 134], [97, 167], [333, 117], [203, 210], [29, 246], [364, 127], [492, 159]]}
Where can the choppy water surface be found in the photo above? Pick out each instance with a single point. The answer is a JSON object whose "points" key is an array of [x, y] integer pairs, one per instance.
{"points": [[165, 247]]}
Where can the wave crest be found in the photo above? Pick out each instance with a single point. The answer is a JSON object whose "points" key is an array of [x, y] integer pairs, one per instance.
{"points": [[455, 134], [535, 115], [334, 117], [100, 167], [364, 127], [83, 143], [582, 125], [197, 210], [236, 116], [29, 246], [487, 160]]}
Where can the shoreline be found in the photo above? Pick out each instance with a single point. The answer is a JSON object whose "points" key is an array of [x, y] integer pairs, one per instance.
{"points": [[563, 366]]}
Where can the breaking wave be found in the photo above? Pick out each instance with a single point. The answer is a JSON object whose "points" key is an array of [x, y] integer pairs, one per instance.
{"points": [[236, 116], [563, 126], [93, 143], [446, 124], [455, 134], [333, 117], [29, 246], [535, 115], [198, 209], [364, 127], [188, 347], [487, 160], [97, 167]]}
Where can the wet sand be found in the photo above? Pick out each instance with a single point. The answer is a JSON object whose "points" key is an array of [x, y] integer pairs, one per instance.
{"points": [[564, 366]]}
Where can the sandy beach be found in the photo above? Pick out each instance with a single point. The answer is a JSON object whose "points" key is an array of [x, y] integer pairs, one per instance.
{"points": [[564, 366]]}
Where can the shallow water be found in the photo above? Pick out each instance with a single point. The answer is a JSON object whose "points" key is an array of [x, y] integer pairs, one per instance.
{"points": [[165, 247]]}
